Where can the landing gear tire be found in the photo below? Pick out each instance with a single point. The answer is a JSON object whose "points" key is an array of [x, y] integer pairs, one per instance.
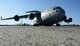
{"points": [[58, 24], [48, 25], [36, 25]]}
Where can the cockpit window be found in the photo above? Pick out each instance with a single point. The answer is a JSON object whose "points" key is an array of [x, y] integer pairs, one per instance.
{"points": [[57, 8], [57, 11]]}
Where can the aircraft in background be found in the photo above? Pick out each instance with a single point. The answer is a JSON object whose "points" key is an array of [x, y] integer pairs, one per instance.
{"points": [[54, 15]]}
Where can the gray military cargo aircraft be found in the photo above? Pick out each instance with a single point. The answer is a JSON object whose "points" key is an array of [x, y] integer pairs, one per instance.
{"points": [[54, 15]]}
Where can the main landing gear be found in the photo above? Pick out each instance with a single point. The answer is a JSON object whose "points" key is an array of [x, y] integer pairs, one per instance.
{"points": [[57, 24]]}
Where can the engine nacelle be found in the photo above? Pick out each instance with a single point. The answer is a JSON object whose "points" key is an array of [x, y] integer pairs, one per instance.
{"points": [[31, 16], [68, 20], [16, 18]]}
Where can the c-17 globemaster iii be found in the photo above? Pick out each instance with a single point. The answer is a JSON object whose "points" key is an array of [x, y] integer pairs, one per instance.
{"points": [[54, 15]]}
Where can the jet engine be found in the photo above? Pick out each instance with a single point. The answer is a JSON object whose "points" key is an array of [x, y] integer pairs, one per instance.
{"points": [[16, 18], [31, 16], [68, 20]]}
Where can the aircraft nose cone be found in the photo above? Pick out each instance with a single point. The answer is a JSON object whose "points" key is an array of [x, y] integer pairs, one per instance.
{"points": [[59, 10]]}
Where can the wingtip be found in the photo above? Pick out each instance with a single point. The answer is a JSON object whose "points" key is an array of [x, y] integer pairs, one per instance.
{"points": [[1, 17]]}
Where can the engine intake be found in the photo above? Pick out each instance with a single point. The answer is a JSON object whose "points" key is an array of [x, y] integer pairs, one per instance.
{"points": [[31, 16], [16, 18], [68, 20]]}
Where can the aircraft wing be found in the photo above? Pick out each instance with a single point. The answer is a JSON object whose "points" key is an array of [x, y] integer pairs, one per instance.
{"points": [[7, 18], [15, 17], [24, 16]]}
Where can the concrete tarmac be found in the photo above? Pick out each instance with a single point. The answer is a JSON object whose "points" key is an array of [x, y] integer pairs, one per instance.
{"points": [[39, 36]]}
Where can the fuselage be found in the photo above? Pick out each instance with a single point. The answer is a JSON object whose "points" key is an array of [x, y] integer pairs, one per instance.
{"points": [[52, 16]]}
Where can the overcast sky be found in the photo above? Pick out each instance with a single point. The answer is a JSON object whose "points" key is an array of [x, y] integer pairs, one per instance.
{"points": [[9, 8]]}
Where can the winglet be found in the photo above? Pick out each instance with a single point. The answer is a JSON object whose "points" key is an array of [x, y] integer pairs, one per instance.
{"points": [[1, 17]]}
